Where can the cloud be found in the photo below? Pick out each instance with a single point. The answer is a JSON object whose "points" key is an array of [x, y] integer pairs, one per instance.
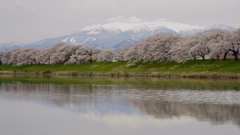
{"points": [[134, 121], [132, 19]]}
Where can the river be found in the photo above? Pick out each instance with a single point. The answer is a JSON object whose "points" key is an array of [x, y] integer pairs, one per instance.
{"points": [[118, 106]]}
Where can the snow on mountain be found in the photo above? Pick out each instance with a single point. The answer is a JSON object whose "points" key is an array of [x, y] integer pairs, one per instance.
{"points": [[116, 28], [222, 27], [121, 34], [113, 27], [177, 27], [141, 31], [111, 34]]}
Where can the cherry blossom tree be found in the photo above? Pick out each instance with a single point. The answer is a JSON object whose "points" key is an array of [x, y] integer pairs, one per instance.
{"points": [[144, 50], [220, 43], [32, 55], [131, 55], [107, 55], [180, 50], [201, 48], [83, 54], [13, 60], [45, 54], [120, 53], [1, 55], [157, 47], [236, 43], [27, 56], [6, 57], [90, 53], [62, 53]]}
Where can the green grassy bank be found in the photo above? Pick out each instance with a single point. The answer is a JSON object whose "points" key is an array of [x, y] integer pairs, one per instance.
{"points": [[199, 68], [138, 82]]}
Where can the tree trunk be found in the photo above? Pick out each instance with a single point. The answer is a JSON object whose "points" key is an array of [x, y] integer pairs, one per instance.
{"points": [[235, 56], [91, 61], [203, 57], [164, 59], [235, 53], [194, 58], [225, 56]]}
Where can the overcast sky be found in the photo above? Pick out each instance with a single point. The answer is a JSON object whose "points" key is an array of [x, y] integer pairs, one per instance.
{"points": [[32, 20]]}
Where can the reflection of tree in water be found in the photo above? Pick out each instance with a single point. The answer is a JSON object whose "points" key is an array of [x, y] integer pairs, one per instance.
{"points": [[215, 113], [158, 103]]}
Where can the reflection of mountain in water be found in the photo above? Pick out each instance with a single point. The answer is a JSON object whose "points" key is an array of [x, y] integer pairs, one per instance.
{"points": [[216, 106]]}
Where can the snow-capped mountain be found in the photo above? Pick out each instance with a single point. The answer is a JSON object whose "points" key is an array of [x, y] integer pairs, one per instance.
{"points": [[117, 35], [222, 27], [11, 46], [125, 43], [109, 35]]}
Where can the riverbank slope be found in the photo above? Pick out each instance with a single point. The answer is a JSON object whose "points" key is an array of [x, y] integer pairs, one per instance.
{"points": [[191, 68]]}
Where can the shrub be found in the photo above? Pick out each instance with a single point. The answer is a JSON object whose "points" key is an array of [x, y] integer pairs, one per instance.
{"points": [[47, 72]]}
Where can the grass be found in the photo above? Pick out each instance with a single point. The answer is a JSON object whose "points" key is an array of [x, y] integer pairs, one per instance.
{"points": [[142, 83], [154, 68], [189, 66]]}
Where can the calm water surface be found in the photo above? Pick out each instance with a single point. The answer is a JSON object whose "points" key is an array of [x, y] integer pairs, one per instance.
{"points": [[118, 106]]}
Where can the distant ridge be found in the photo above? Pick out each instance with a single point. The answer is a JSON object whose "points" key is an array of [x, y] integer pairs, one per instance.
{"points": [[11, 46], [222, 27], [125, 43], [117, 35]]}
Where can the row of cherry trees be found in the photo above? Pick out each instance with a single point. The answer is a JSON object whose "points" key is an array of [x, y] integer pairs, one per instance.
{"points": [[60, 53], [160, 47], [168, 47]]}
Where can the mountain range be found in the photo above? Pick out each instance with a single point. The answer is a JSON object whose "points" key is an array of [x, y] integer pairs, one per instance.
{"points": [[116, 35]]}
